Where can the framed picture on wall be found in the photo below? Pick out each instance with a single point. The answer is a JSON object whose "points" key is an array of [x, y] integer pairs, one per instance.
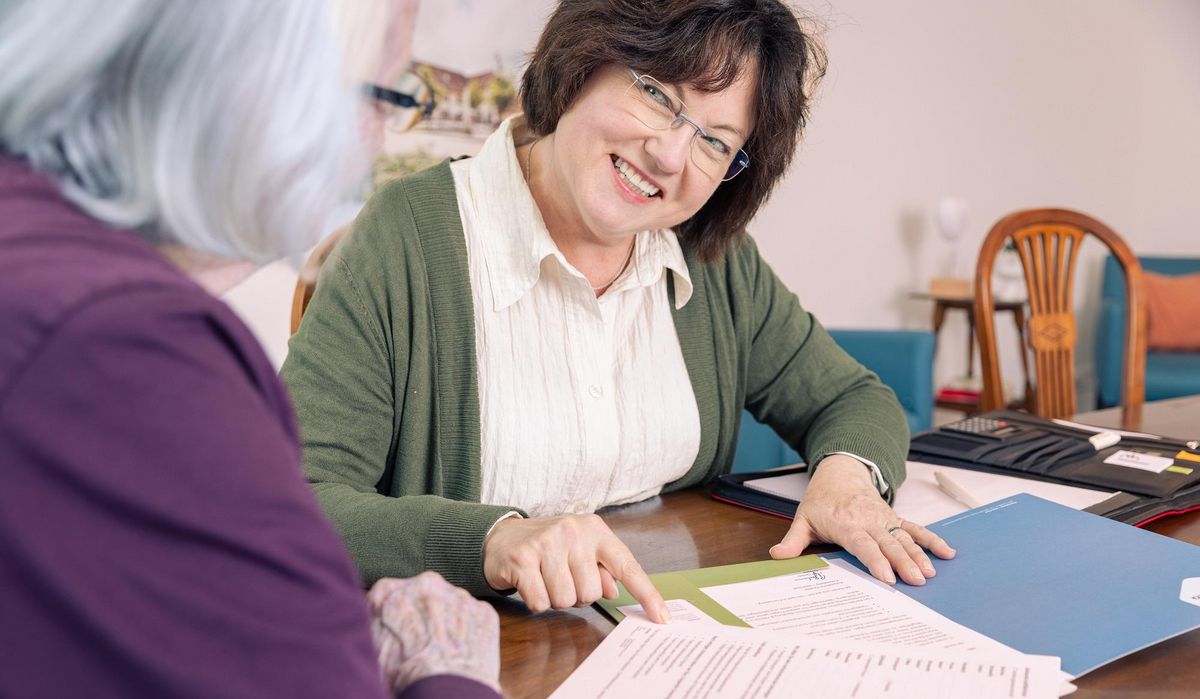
{"points": [[470, 55]]}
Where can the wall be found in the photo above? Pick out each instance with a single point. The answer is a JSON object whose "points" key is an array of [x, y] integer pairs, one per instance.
{"points": [[1087, 104]]}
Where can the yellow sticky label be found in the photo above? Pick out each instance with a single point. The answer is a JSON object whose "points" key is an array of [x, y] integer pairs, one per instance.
{"points": [[1188, 456], [1182, 470]]}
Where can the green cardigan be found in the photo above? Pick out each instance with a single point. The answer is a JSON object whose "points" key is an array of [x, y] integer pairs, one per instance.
{"points": [[383, 375]]}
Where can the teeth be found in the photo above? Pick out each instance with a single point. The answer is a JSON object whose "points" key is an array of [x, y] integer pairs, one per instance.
{"points": [[634, 180]]}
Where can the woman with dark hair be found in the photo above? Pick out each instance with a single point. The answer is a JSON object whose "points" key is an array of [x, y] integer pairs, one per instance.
{"points": [[575, 318]]}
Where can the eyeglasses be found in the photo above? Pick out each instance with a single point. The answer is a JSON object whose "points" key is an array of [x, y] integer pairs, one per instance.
{"points": [[658, 108], [411, 101]]}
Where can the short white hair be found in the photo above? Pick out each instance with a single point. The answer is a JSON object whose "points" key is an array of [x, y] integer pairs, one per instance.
{"points": [[224, 126]]}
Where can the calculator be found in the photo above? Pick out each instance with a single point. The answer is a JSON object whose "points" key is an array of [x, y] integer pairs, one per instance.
{"points": [[986, 427]]}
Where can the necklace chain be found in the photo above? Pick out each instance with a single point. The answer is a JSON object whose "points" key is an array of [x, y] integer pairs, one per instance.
{"points": [[624, 266], [633, 244], [529, 162]]}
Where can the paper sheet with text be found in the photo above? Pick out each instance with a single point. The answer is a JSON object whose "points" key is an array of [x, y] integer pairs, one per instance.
{"points": [[645, 660], [839, 607], [835, 602]]}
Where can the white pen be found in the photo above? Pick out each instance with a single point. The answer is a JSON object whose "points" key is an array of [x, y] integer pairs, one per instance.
{"points": [[948, 486]]}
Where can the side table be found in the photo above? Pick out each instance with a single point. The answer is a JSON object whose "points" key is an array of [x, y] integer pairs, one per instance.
{"points": [[943, 303]]}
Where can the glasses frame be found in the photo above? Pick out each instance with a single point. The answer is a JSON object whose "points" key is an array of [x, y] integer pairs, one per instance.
{"points": [[402, 100], [741, 159]]}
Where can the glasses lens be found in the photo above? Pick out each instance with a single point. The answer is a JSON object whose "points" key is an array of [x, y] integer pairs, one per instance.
{"points": [[652, 103], [713, 155], [405, 118], [741, 161]]}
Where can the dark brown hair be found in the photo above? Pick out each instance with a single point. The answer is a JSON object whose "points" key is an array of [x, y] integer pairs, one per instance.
{"points": [[702, 43]]}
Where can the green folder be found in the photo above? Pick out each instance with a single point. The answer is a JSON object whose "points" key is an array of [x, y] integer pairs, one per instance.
{"points": [[686, 584]]}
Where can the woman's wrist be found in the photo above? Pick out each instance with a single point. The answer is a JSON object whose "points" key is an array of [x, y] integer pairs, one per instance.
{"points": [[843, 470]]}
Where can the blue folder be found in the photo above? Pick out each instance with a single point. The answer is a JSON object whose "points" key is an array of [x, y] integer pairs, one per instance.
{"points": [[1047, 579]]}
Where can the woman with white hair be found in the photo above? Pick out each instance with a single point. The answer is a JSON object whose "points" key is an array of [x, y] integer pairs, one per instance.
{"points": [[156, 535]]}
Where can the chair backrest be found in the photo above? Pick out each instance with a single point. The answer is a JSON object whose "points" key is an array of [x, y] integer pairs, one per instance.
{"points": [[307, 283], [1048, 242]]}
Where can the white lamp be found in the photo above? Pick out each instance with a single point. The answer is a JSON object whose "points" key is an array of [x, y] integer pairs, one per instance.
{"points": [[952, 223], [951, 216]]}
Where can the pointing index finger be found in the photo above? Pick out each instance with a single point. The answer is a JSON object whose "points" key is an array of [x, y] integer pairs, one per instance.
{"points": [[620, 563]]}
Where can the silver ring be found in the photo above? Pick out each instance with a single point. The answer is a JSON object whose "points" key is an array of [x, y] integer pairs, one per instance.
{"points": [[893, 530]]}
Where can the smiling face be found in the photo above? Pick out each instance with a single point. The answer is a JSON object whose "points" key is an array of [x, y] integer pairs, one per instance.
{"points": [[614, 176]]}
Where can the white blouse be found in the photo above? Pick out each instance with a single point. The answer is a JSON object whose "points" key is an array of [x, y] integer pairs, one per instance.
{"points": [[584, 401]]}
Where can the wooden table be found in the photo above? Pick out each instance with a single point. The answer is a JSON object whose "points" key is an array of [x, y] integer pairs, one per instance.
{"points": [[690, 530]]}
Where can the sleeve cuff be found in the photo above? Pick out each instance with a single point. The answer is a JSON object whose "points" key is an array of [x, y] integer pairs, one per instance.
{"points": [[454, 545], [506, 515], [876, 475], [438, 686]]}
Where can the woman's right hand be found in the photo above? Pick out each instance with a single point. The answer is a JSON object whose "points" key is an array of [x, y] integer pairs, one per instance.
{"points": [[567, 561]]}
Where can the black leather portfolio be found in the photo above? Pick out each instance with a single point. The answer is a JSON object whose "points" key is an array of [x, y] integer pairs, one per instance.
{"points": [[1156, 476]]}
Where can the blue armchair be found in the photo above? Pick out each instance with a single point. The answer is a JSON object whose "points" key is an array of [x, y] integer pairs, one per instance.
{"points": [[1168, 374], [903, 359]]}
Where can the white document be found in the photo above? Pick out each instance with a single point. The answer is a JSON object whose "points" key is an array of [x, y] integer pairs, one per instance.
{"points": [[920, 500], [1189, 591], [841, 602], [682, 611], [644, 660]]}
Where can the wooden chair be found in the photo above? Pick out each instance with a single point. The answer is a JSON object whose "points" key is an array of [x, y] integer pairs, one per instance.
{"points": [[1048, 242], [307, 283]]}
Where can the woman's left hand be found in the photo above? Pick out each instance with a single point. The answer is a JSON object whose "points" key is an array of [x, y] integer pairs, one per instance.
{"points": [[843, 507], [424, 626]]}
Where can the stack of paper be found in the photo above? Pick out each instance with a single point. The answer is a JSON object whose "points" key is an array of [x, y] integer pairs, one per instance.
{"points": [[824, 622], [644, 660], [1034, 576]]}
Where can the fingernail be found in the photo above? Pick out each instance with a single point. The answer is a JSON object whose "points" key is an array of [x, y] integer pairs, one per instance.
{"points": [[928, 571], [772, 550], [889, 579], [664, 614], [914, 573]]}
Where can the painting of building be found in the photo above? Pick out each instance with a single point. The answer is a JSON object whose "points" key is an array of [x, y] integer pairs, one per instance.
{"points": [[468, 103]]}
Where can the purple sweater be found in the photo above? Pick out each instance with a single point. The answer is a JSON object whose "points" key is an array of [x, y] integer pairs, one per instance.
{"points": [[156, 535]]}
